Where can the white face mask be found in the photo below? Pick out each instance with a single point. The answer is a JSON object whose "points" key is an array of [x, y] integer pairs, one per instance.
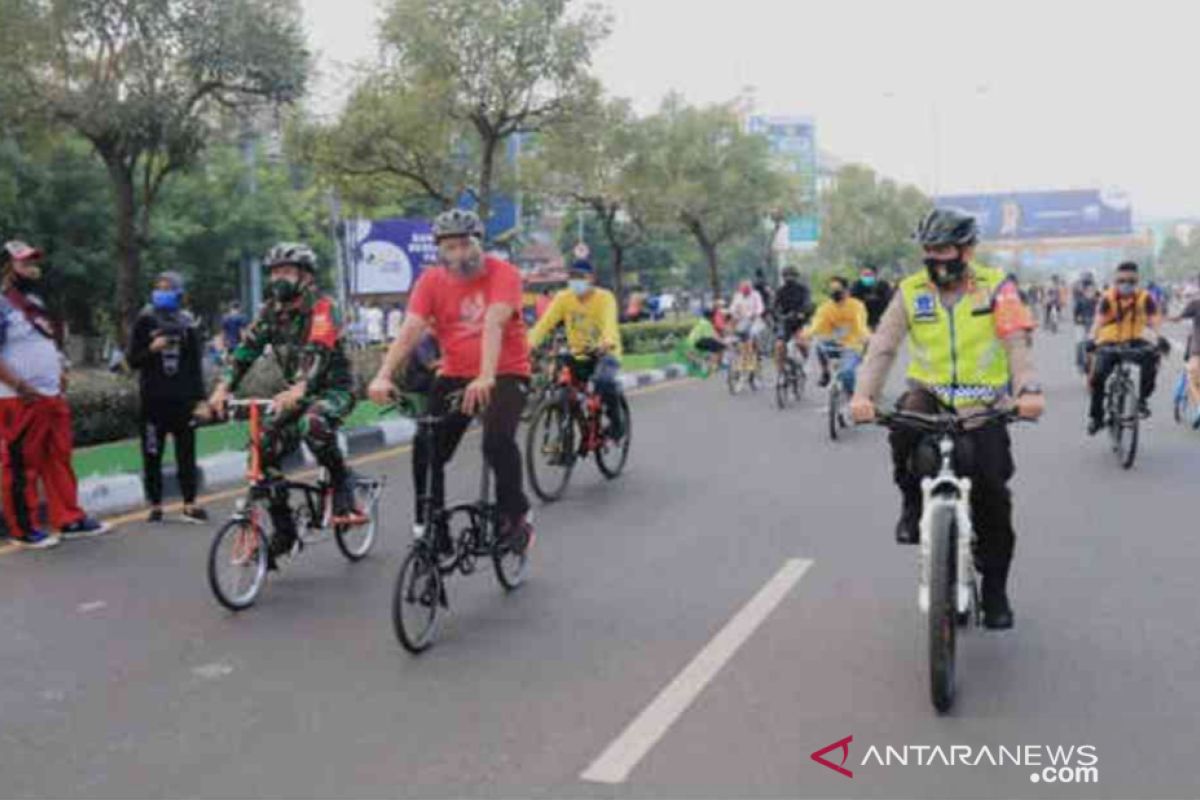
{"points": [[579, 286]]}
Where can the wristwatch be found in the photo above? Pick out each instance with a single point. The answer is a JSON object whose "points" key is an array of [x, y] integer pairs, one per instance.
{"points": [[1030, 388]]}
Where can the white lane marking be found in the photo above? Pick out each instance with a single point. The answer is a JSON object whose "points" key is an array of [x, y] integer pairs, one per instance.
{"points": [[213, 671], [87, 608], [620, 757]]}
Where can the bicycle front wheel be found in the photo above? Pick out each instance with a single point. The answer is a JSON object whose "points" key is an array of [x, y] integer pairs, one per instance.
{"points": [[783, 387], [613, 454], [237, 564], [835, 406], [418, 601], [355, 541], [550, 450], [943, 618], [1129, 423]]}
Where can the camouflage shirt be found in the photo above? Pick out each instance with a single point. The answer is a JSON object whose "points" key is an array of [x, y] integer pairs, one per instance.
{"points": [[306, 342]]}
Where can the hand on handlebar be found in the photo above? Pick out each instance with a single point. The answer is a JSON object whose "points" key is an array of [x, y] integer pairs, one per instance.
{"points": [[1031, 406], [381, 390], [862, 409], [220, 397]]}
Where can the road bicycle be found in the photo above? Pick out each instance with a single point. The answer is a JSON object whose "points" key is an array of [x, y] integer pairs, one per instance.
{"points": [[448, 541], [948, 586], [239, 559], [569, 425]]}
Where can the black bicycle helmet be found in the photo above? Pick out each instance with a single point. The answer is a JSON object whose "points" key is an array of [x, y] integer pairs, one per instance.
{"points": [[943, 226], [293, 253], [791, 272], [457, 222]]}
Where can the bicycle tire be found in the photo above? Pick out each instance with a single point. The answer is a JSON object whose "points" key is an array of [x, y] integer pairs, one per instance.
{"points": [[510, 567], [551, 419], [419, 584], [256, 560], [620, 449], [783, 388], [834, 404], [1130, 422], [943, 616], [356, 541]]}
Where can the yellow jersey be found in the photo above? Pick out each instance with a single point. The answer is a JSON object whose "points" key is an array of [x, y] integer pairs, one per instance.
{"points": [[844, 322], [591, 321]]}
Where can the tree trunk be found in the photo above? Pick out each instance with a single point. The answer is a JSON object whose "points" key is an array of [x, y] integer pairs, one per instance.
{"points": [[609, 215], [129, 267], [769, 255], [714, 272], [487, 166]]}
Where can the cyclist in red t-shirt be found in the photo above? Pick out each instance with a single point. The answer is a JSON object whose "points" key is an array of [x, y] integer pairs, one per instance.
{"points": [[473, 303]]}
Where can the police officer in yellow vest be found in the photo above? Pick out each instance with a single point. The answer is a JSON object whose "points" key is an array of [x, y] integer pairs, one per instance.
{"points": [[1123, 317], [959, 360]]}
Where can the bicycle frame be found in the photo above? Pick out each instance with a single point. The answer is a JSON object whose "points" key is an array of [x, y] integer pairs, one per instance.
{"points": [[586, 411]]}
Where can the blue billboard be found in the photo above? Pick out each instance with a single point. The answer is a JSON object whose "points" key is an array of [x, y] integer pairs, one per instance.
{"points": [[794, 140], [1046, 215], [387, 255]]}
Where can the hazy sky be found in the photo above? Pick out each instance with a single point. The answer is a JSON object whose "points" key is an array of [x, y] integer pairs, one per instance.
{"points": [[955, 96]]}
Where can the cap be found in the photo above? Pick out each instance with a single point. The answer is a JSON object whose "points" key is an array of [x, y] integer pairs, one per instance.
{"points": [[582, 265], [19, 251]]}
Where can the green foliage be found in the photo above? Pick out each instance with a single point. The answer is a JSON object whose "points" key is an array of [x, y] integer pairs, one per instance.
{"points": [[867, 221], [653, 337]]}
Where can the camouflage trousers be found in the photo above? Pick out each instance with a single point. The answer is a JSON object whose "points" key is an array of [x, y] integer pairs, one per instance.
{"points": [[314, 422]]}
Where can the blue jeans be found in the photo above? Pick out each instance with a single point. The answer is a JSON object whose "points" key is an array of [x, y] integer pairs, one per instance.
{"points": [[850, 361]]}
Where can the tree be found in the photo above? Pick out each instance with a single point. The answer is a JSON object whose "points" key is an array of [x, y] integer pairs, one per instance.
{"points": [[700, 170], [586, 161], [477, 73], [870, 222], [140, 81]]}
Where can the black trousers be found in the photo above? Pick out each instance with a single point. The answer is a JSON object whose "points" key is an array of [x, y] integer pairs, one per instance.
{"points": [[1106, 362], [990, 468], [157, 423], [500, 451]]}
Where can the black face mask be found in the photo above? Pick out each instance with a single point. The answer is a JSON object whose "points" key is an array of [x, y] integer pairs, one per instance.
{"points": [[945, 273], [838, 295], [25, 285]]}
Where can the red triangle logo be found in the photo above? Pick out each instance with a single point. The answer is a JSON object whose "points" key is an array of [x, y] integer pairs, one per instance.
{"points": [[844, 746]]}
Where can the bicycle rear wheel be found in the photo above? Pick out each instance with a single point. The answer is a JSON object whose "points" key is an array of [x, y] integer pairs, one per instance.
{"points": [[943, 619], [418, 601], [355, 541], [237, 564], [550, 450], [612, 455], [511, 566]]}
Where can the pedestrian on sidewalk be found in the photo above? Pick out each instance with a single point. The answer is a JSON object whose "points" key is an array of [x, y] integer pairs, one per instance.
{"points": [[35, 420], [167, 351]]}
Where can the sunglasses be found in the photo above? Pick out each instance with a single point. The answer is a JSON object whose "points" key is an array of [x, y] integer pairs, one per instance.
{"points": [[1127, 282]]}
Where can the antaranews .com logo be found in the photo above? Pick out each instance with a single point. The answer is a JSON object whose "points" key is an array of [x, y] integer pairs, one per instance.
{"points": [[1048, 764]]}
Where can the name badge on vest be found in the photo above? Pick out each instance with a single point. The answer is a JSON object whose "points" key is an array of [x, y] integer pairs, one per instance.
{"points": [[924, 309]]}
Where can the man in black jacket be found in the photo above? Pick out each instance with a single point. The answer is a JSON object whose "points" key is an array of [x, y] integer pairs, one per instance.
{"points": [[167, 350], [874, 294]]}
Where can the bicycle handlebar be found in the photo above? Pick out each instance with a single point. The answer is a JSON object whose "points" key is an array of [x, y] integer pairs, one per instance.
{"points": [[947, 422]]}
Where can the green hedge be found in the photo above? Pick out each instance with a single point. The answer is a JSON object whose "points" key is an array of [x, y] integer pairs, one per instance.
{"points": [[105, 407], [653, 337]]}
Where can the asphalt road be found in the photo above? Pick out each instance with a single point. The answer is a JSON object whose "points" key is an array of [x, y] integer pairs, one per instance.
{"points": [[696, 628]]}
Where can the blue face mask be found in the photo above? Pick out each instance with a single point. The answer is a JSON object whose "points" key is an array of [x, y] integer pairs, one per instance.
{"points": [[868, 280], [165, 299], [579, 286]]}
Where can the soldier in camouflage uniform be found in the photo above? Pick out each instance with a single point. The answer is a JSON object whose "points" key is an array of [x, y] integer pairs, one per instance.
{"points": [[303, 328]]}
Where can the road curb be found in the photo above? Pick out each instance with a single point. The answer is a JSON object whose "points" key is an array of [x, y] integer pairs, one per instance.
{"points": [[118, 494]]}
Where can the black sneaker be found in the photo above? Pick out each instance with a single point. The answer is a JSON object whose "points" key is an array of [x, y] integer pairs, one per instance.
{"points": [[825, 378], [997, 613], [195, 515], [517, 535], [283, 537], [155, 515], [1144, 409], [1094, 426], [908, 527], [85, 528]]}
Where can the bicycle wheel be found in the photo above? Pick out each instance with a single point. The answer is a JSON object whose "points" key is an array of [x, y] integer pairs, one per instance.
{"points": [[835, 402], [942, 620], [733, 376], [1130, 420], [1181, 399], [783, 387], [417, 601], [237, 564], [550, 450], [612, 455], [510, 565], [356, 541]]}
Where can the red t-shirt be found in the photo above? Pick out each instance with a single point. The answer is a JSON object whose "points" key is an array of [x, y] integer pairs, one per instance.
{"points": [[456, 308]]}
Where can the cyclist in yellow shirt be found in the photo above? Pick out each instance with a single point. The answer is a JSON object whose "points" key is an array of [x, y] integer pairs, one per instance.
{"points": [[589, 314], [840, 323]]}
